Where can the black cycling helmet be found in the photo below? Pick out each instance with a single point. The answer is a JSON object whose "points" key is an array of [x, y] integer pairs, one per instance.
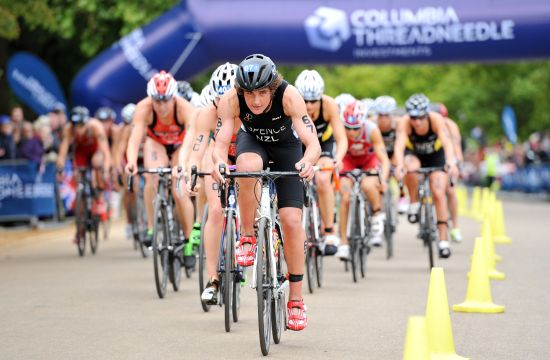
{"points": [[255, 72], [105, 113], [79, 115], [185, 90], [417, 105]]}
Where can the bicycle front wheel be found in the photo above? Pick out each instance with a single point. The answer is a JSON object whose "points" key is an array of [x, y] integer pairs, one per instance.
{"points": [[160, 248], [278, 314], [355, 237], [93, 233], [203, 276], [80, 216], [263, 286], [388, 224], [428, 233], [229, 267]]}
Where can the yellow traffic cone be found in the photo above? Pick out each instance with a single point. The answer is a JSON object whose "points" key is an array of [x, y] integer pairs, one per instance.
{"points": [[478, 295], [485, 201], [475, 210], [499, 231], [462, 198], [438, 320], [487, 237], [416, 340]]}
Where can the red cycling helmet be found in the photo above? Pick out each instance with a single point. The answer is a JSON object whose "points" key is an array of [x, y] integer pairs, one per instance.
{"points": [[162, 86], [354, 115]]}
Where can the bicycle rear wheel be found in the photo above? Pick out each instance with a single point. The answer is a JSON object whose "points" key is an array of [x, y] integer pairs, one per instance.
{"points": [[229, 266], [176, 259], [354, 239], [203, 276], [278, 313], [428, 233], [388, 223], [141, 222], [160, 249], [319, 268], [263, 286], [80, 217], [93, 233]]}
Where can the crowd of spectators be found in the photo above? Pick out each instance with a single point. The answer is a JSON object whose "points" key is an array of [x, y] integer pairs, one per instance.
{"points": [[36, 141]]}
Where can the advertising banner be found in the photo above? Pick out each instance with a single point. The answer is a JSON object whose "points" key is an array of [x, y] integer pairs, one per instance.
{"points": [[34, 83], [25, 192], [198, 34]]}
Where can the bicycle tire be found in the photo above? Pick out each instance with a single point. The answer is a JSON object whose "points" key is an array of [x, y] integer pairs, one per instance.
{"points": [[141, 219], [308, 251], [278, 314], [388, 224], [428, 240], [237, 273], [203, 276], [319, 269], [228, 275], [263, 287], [160, 249], [80, 223], [362, 246], [94, 234], [352, 240]]}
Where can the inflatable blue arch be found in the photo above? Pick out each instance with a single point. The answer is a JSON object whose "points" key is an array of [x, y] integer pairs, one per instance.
{"points": [[197, 34]]}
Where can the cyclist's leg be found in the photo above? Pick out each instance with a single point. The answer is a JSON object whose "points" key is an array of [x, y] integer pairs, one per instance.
{"points": [[184, 206], [326, 197], [154, 156], [213, 226], [251, 156], [412, 163], [371, 188], [99, 183], [453, 208], [345, 191], [438, 185]]}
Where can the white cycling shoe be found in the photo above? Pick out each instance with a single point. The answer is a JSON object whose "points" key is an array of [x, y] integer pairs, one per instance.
{"points": [[330, 244], [343, 252]]}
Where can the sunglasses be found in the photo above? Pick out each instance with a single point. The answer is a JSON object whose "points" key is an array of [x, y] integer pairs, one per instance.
{"points": [[414, 118], [311, 101], [162, 98]]}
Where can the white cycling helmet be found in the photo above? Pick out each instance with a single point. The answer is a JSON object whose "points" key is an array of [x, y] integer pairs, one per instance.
{"points": [[342, 101], [310, 84], [162, 86], [223, 78], [127, 112], [384, 105], [207, 96]]}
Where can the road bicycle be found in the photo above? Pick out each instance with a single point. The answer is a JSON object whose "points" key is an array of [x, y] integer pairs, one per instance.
{"points": [[269, 273], [359, 221]]}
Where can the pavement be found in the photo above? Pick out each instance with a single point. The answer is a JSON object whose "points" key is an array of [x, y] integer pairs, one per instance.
{"points": [[57, 305]]}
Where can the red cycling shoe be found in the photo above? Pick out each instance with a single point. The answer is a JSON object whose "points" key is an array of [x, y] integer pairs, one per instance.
{"points": [[246, 257], [297, 321]]}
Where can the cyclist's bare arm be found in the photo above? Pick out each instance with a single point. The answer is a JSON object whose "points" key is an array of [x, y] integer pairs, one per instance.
{"points": [[64, 146], [122, 145], [102, 143], [456, 138], [205, 123], [337, 127], [141, 115], [183, 156], [442, 132], [228, 110], [380, 151], [295, 107], [399, 146]]}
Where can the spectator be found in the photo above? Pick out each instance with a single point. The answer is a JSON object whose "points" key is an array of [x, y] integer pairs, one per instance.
{"points": [[7, 146], [30, 147], [58, 120], [17, 118]]}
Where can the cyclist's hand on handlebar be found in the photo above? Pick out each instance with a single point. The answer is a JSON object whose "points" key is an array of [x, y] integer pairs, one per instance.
{"points": [[306, 169], [398, 173], [131, 169], [383, 186], [338, 164], [216, 172], [178, 172]]}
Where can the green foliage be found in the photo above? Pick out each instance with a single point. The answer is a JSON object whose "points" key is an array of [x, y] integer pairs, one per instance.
{"points": [[475, 94]]}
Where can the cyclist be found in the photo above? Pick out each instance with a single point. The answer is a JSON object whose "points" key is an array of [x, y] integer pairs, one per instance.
{"points": [[204, 129], [323, 110], [366, 151], [454, 132], [162, 117], [384, 108], [127, 114], [342, 101], [185, 90], [90, 149], [274, 120], [426, 135]]}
